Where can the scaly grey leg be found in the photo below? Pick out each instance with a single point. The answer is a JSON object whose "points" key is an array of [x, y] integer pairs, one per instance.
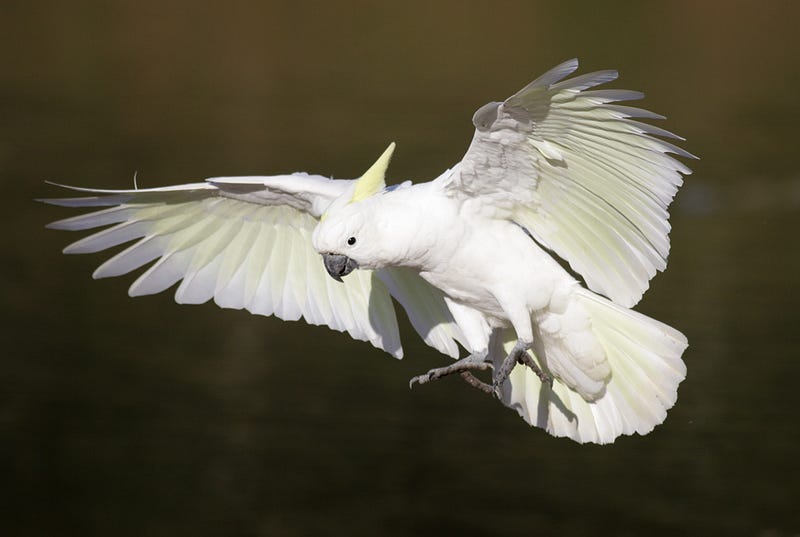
{"points": [[518, 355], [465, 366], [475, 382]]}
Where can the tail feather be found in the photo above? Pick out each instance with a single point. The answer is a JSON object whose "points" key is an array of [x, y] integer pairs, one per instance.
{"points": [[646, 368]]}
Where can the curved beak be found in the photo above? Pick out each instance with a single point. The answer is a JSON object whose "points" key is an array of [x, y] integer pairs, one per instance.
{"points": [[338, 265]]}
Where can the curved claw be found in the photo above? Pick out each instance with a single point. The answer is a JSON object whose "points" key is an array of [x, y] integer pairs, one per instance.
{"points": [[419, 379]]}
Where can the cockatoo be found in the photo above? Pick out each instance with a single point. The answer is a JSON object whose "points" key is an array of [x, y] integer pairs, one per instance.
{"points": [[556, 175]]}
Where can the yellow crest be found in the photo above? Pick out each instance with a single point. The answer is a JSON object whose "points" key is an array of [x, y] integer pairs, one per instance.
{"points": [[372, 181]]}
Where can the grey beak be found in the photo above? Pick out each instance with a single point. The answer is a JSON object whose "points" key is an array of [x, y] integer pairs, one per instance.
{"points": [[338, 265]]}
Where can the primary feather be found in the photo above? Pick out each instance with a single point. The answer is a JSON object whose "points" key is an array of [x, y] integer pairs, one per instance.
{"points": [[583, 177], [246, 243], [557, 168]]}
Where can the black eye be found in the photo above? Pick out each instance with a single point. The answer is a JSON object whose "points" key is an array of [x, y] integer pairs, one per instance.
{"points": [[351, 241]]}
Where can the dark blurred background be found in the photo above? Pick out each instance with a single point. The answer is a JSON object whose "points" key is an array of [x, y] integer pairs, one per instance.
{"points": [[124, 416]]}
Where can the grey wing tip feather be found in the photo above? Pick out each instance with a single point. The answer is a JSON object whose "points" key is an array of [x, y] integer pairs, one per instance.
{"points": [[92, 201], [555, 74], [172, 188], [58, 224], [48, 201], [62, 202], [570, 65], [686, 154], [81, 189], [555, 78]]}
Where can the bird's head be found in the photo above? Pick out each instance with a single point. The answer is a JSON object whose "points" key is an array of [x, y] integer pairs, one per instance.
{"points": [[347, 235]]}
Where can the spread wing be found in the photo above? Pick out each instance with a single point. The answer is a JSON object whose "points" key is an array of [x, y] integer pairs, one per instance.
{"points": [[245, 242], [581, 173]]}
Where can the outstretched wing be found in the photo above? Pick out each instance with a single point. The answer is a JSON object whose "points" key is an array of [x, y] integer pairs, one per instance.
{"points": [[580, 173], [246, 243]]}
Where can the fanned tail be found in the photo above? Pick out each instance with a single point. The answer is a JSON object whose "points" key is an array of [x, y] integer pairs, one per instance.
{"points": [[646, 368]]}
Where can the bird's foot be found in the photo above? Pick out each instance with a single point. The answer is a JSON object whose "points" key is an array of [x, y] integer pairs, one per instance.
{"points": [[464, 367], [518, 355], [475, 382]]}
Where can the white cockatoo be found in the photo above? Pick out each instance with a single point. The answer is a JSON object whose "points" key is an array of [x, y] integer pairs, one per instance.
{"points": [[557, 172]]}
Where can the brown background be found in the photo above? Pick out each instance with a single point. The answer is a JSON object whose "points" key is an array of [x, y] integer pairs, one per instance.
{"points": [[133, 417]]}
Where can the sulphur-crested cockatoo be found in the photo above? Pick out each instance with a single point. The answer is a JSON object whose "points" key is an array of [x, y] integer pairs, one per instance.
{"points": [[558, 170]]}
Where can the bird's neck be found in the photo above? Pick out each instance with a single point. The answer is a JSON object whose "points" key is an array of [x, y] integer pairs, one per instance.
{"points": [[420, 224]]}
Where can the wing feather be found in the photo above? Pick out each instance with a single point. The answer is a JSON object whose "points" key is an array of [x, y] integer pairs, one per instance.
{"points": [[197, 287], [426, 308], [588, 179], [245, 245]]}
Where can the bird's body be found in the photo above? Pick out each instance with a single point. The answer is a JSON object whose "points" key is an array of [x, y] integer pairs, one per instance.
{"points": [[472, 258], [553, 171]]}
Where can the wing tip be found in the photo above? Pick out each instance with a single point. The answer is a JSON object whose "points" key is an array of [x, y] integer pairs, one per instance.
{"points": [[58, 202], [58, 224], [572, 63]]}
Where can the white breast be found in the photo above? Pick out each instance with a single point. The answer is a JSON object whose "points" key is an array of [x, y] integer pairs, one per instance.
{"points": [[494, 258]]}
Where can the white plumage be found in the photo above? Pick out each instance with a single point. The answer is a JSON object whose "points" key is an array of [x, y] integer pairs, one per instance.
{"points": [[558, 168]]}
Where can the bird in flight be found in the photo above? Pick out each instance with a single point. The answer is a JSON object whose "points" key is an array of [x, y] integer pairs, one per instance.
{"points": [[521, 262]]}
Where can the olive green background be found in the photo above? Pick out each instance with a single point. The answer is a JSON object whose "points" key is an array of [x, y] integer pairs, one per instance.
{"points": [[124, 416]]}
